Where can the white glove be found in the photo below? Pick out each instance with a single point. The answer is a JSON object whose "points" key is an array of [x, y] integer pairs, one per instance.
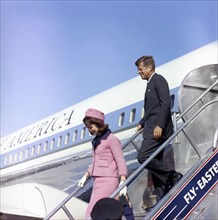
{"points": [[123, 191], [82, 181]]}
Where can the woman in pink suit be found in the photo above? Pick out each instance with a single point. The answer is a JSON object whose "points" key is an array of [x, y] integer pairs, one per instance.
{"points": [[108, 167]]}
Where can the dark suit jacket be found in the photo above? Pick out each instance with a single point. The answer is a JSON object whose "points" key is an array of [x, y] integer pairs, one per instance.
{"points": [[157, 107]]}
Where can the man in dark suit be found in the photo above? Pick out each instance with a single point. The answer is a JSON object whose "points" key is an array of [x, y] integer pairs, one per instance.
{"points": [[157, 126]]}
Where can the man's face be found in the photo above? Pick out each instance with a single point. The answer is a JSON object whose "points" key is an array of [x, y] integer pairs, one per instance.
{"points": [[144, 71]]}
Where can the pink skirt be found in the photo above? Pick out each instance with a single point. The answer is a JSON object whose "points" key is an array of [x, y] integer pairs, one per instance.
{"points": [[102, 187]]}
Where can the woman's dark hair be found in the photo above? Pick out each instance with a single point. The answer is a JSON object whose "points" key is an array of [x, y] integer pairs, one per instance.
{"points": [[88, 121]]}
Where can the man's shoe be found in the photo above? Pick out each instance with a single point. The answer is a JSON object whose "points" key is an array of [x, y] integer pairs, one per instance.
{"points": [[148, 209]]}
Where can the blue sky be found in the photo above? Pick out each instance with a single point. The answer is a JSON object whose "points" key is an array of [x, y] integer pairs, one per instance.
{"points": [[57, 53]]}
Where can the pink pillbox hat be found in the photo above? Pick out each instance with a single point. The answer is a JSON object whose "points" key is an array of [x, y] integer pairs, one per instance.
{"points": [[94, 113]]}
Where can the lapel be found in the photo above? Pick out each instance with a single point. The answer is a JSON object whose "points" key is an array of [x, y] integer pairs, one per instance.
{"points": [[149, 86], [97, 140]]}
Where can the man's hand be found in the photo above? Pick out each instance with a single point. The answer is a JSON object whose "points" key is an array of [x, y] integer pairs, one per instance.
{"points": [[139, 127], [157, 132]]}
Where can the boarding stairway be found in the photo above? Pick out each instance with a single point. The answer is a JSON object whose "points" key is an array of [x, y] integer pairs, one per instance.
{"points": [[191, 150]]}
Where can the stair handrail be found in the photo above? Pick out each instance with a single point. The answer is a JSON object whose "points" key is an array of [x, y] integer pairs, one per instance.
{"points": [[200, 97], [62, 204], [163, 146], [135, 135]]}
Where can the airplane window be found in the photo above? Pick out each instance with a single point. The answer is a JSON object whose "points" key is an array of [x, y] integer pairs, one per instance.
{"points": [[5, 160], [10, 158], [52, 143], [15, 156], [67, 138], [27, 152], [75, 135], [39, 148], [59, 141], [45, 146], [33, 150], [132, 115], [143, 112], [121, 119], [21, 155], [83, 132]]}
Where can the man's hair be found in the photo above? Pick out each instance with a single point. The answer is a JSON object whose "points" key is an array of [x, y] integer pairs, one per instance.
{"points": [[146, 60]]}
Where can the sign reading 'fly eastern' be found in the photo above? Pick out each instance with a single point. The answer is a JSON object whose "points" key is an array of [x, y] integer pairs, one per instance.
{"points": [[200, 184]]}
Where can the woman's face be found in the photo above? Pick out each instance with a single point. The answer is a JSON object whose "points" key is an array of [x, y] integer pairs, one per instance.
{"points": [[93, 129]]}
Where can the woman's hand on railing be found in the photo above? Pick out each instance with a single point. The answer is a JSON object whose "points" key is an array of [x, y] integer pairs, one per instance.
{"points": [[82, 181], [123, 191]]}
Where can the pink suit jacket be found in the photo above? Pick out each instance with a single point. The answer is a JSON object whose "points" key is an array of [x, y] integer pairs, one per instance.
{"points": [[108, 160]]}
